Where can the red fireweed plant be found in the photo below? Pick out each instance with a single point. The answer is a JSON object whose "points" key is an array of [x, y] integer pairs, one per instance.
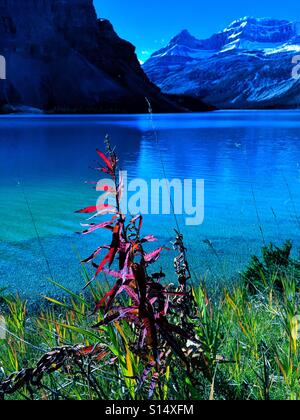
{"points": [[160, 314]]}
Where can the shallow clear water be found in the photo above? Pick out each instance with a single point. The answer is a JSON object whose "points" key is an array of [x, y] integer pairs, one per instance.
{"points": [[249, 160]]}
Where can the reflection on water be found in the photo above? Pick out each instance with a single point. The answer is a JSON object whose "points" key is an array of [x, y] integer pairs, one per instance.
{"points": [[249, 160]]}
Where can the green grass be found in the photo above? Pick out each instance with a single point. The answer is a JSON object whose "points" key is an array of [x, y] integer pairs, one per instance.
{"points": [[249, 342]]}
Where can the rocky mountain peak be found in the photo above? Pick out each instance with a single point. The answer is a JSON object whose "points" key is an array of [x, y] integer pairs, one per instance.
{"points": [[262, 30], [183, 36], [247, 65]]}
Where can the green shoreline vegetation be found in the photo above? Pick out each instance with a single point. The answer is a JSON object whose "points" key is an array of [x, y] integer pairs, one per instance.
{"points": [[146, 339], [251, 342]]}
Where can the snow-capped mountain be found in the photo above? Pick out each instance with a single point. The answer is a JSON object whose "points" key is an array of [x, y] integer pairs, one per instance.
{"points": [[247, 65]]}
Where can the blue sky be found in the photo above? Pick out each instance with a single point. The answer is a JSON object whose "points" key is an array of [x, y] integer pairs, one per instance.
{"points": [[151, 24]]}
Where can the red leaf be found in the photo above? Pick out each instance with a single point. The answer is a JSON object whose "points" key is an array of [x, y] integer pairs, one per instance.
{"points": [[94, 350], [94, 254], [101, 356], [145, 374], [121, 313], [103, 211], [149, 238], [91, 209], [108, 259], [131, 293], [94, 227], [154, 256], [87, 350], [153, 384], [106, 160], [104, 299], [119, 274]]}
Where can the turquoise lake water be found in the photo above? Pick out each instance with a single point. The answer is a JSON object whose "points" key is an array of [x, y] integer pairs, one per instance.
{"points": [[250, 162]]}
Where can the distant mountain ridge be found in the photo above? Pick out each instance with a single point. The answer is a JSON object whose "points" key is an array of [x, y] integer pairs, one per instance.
{"points": [[247, 65]]}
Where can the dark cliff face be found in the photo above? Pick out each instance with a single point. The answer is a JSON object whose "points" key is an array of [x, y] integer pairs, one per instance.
{"points": [[60, 57]]}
